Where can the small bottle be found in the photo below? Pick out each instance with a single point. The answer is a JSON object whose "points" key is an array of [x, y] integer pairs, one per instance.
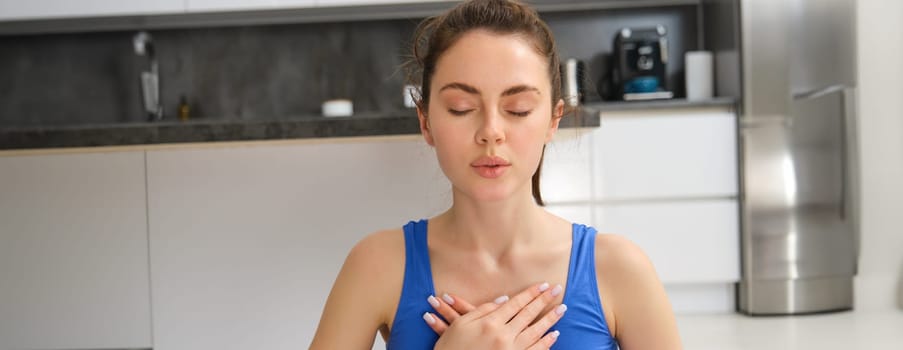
{"points": [[184, 109]]}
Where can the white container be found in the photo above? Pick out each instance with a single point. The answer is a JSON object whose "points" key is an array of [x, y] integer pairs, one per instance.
{"points": [[409, 93], [338, 108], [699, 75]]}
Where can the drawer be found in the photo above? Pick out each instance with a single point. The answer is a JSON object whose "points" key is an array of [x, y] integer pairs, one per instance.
{"points": [[687, 241], [666, 155]]}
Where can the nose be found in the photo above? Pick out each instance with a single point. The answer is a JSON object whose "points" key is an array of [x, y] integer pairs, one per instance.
{"points": [[491, 129]]}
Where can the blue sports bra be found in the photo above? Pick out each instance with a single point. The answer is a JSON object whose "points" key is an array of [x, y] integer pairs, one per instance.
{"points": [[582, 327]]}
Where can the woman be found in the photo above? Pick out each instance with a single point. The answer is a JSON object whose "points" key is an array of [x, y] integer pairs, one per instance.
{"points": [[491, 100]]}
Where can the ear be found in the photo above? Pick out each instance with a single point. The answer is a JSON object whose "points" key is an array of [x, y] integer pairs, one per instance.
{"points": [[425, 126], [557, 113]]}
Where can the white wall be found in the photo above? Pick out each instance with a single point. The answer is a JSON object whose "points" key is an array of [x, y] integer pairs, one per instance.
{"points": [[880, 54]]}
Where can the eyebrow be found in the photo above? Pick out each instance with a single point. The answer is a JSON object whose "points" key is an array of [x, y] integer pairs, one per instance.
{"points": [[514, 90]]}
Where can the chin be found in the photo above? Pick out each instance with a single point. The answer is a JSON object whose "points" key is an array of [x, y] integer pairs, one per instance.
{"points": [[490, 192]]}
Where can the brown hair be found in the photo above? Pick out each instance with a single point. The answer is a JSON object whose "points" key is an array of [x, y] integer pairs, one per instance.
{"points": [[436, 34]]}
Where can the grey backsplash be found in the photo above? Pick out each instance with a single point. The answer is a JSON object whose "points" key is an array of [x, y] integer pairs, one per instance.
{"points": [[265, 72]]}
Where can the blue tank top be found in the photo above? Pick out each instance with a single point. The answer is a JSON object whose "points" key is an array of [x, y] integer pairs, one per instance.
{"points": [[582, 327]]}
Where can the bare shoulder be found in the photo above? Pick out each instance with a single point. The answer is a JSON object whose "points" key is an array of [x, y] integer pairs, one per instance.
{"points": [[377, 263], [364, 292], [617, 257], [380, 247], [634, 300]]}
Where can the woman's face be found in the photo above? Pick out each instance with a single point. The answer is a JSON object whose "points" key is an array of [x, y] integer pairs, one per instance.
{"points": [[490, 114]]}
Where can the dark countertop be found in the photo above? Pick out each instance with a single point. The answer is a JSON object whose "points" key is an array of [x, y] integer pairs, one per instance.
{"points": [[169, 132]]}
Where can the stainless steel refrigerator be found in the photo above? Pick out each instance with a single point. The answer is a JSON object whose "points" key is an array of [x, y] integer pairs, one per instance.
{"points": [[798, 154]]}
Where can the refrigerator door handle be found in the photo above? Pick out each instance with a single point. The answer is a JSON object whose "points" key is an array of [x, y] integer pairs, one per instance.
{"points": [[851, 167], [813, 94]]}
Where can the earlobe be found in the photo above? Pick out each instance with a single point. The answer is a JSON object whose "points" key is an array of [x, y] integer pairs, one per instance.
{"points": [[425, 127]]}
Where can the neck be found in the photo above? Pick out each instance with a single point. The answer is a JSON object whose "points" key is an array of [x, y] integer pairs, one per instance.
{"points": [[495, 228]]}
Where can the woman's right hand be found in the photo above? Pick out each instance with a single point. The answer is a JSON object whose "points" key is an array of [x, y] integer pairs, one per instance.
{"points": [[504, 324]]}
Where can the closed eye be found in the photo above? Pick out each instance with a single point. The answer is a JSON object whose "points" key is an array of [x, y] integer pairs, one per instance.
{"points": [[459, 112], [520, 114]]}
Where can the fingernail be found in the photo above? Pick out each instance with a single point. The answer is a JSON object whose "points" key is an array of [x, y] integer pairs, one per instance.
{"points": [[429, 318], [555, 334], [448, 299], [543, 287], [561, 309], [501, 300], [433, 301], [557, 290]]}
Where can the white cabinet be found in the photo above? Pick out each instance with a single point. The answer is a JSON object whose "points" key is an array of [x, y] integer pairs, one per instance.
{"points": [[567, 170], [668, 154], [666, 180], [246, 242], [44, 9], [687, 241], [73, 252], [237, 5]]}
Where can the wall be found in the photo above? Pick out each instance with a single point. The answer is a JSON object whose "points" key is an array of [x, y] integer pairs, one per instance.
{"points": [[267, 71], [880, 27]]}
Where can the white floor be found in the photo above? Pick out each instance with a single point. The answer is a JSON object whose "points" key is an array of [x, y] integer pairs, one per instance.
{"points": [[857, 330]]}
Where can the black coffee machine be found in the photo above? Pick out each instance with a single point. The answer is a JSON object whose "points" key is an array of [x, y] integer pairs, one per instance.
{"points": [[639, 62]]}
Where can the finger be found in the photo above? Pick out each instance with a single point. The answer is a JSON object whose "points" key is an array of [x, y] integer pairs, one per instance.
{"points": [[443, 309], [460, 305], [535, 331], [518, 302], [528, 314], [485, 309], [546, 342], [435, 323]]}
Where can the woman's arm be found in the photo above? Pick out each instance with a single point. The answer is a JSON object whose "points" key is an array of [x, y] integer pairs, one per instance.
{"points": [[367, 286], [641, 315]]}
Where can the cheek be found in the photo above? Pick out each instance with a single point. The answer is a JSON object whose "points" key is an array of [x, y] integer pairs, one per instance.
{"points": [[528, 143]]}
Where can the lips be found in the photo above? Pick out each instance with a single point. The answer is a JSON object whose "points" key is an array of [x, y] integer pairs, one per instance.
{"points": [[490, 167], [490, 161]]}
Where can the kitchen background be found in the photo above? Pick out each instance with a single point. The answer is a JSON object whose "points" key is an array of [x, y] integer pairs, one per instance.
{"points": [[221, 204], [266, 72]]}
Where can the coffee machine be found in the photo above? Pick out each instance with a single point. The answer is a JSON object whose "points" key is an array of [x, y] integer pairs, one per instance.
{"points": [[639, 62]]}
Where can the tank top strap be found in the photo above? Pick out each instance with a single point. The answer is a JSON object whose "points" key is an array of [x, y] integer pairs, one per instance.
{"points": [[582, 286], [418, 272], [408, 330], [582, 270]]}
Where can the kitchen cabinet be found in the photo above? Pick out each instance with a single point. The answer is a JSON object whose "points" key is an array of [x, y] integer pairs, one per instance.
{"points": [[567, 170], [235, 5], [666, 180], [687, 241], [73, 252], [666, 154], [46, 9], [247, 241]]}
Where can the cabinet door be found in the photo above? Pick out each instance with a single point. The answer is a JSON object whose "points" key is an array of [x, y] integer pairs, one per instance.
{"points": [[687, 241], [73, 252], [566, 176], [666, 155], [42, 9], [246, 242], [237, 5]]}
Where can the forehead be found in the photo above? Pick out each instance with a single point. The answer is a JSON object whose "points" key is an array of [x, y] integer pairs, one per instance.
{"points": [[491, 62]]}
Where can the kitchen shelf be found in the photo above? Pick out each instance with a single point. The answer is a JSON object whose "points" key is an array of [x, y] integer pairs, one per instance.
{"points": [[660, 104], [168, 132]]}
